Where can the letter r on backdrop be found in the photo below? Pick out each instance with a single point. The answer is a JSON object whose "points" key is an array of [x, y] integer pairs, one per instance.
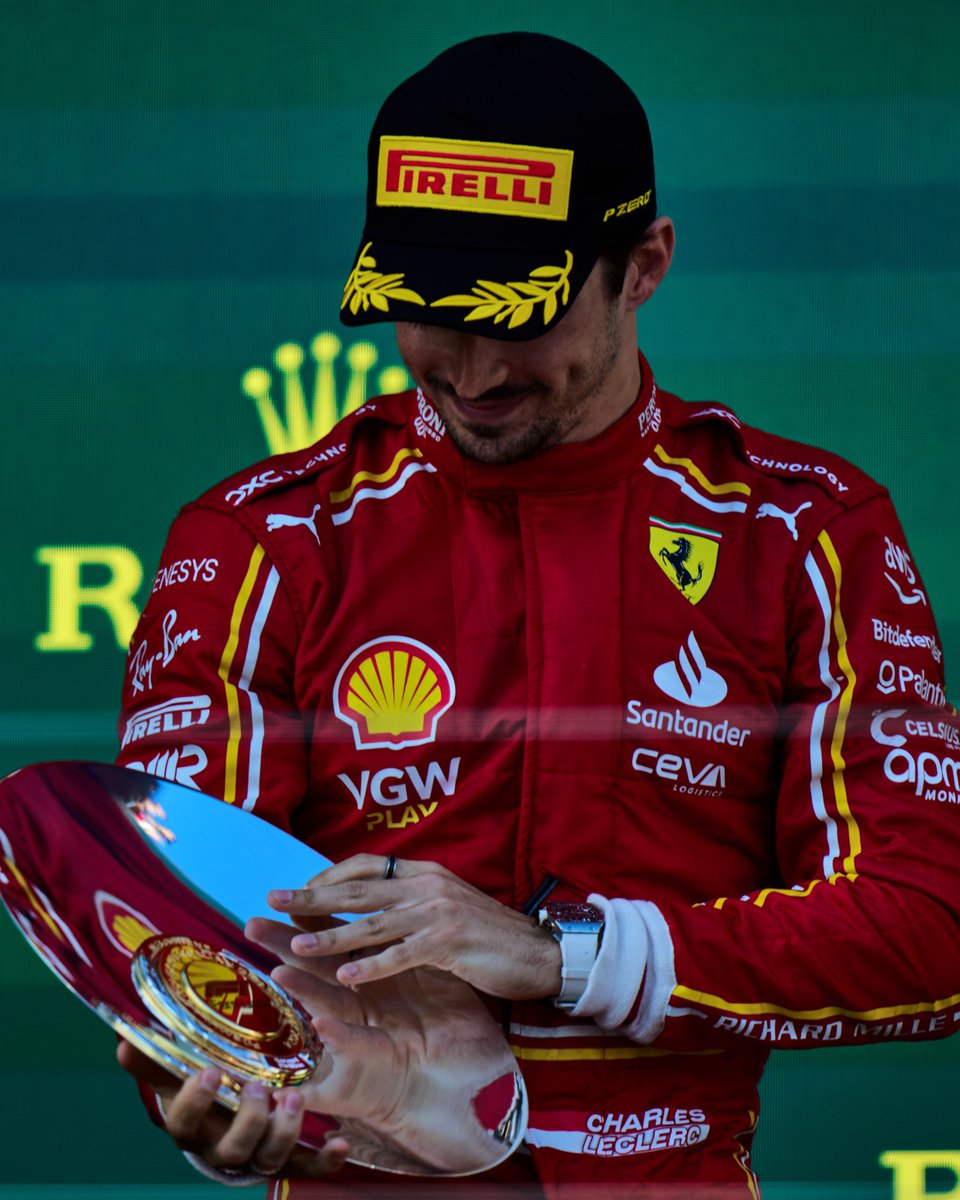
{"points": [[69, 595]]}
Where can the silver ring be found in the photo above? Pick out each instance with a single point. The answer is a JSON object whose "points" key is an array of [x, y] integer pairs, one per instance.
{"points": [[391, 868]]}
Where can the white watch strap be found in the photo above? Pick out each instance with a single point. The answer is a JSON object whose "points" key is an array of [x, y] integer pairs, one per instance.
{"points": [[578, 953]]}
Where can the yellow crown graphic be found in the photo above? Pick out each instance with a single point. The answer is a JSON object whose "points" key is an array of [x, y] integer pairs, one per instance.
{"points": [[301, 424]]}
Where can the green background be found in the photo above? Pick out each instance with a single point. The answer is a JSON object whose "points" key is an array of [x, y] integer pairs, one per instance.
{"points": [[181, 192]]}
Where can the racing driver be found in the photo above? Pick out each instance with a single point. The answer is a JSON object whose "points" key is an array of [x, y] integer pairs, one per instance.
{"points": [[627, 714]]}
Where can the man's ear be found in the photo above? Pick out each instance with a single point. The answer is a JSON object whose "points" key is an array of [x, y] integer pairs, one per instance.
{"points": [[648, 263]]}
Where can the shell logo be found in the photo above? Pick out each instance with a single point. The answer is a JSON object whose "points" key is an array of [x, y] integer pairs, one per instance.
{"points": [[126, 928], [392, 692]]}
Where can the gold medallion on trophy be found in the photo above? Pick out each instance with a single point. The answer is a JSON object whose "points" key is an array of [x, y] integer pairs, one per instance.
{"points": [[214, 1003]]}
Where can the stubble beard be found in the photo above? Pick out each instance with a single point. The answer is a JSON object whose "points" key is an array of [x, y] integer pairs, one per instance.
{"points": [[550, 424]]}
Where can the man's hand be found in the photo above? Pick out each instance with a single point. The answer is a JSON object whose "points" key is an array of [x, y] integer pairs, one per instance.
{"points": [[414, 1068], [252, 1139], [423, 916]]}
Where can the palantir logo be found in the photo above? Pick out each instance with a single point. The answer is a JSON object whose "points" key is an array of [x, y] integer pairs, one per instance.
{"points": [[692, 681]]}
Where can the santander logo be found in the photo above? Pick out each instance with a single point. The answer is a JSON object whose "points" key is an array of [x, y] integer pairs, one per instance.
{"points": [[689, 680]]}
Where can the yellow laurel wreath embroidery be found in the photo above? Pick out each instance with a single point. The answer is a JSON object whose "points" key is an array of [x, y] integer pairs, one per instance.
{"points": [[366, 286], [516, 300]]}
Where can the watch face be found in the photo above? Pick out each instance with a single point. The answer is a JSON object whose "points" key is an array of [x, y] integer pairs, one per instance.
{"points": [[572, 914]]}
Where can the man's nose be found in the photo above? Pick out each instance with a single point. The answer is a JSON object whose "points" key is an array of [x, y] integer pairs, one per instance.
{"points": [[476, 365]]}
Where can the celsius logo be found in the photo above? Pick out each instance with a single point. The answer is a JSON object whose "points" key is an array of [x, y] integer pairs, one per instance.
{"points": [[392, 692], [693, 682], [926, 768]]}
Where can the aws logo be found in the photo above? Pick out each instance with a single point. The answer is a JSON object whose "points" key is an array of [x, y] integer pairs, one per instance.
{"points": [[392, 691]]}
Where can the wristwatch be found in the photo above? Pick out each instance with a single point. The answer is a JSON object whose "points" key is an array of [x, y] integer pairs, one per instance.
{"points": [[578, 929]]}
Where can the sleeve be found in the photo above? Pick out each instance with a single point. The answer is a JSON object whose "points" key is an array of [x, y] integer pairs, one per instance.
{"points": [[861, 939], [208, 690]]}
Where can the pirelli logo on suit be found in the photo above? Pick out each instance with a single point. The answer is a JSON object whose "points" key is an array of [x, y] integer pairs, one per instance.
{"points": [[482, 177]]}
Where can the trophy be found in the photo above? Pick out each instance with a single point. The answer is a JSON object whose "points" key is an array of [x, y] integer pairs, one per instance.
{"points": [[136, 891]]}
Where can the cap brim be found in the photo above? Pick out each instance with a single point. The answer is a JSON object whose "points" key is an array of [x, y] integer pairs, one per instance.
{"points": [[512, 295]]}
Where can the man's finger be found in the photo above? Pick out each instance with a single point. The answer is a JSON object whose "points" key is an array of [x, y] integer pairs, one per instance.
{"points": [[144, 1069], [282, 1132], [375, 866], [245, 1132], [401, 956], [186, 1114], [383, 926], [352, 895], [317, 995]]}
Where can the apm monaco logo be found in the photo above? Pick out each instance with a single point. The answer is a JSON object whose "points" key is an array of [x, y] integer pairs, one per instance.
{"points": [[392, 691]]}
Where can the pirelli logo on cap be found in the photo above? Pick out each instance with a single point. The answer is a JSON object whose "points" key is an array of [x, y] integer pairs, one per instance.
{"points": [[481, 177]]}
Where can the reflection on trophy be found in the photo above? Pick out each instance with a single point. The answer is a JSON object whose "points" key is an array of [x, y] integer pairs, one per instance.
{"points": [[111, 876]]}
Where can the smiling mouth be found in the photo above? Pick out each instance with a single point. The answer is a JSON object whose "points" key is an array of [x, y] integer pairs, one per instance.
{"points": [[491, 406], [485, 411]]}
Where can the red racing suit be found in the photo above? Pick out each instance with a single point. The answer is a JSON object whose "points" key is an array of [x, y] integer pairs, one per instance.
{"points": [[684, 662]]}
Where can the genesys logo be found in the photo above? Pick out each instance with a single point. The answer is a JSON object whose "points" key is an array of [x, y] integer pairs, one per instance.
{"points": [[185, 570], [392, 691], [616, 1135], [893, 635], [897, 677], [179, 765], [903, 580], [688, 679], [934, 775]]}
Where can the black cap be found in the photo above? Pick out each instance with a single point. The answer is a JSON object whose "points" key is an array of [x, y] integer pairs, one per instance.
{"points": [[497, 175]]}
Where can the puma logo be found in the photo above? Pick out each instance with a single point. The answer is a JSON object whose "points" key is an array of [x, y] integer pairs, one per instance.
{"points": [[279, 520], [789, 519]]}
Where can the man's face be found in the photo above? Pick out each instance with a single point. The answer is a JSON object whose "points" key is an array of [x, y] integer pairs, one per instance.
{"points": [[505, 401]]}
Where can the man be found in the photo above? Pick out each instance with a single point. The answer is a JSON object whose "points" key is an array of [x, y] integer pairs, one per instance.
{"points": [[538, 629]]}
